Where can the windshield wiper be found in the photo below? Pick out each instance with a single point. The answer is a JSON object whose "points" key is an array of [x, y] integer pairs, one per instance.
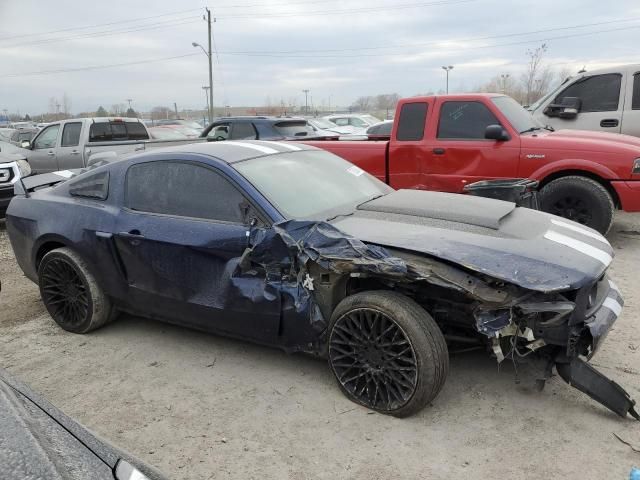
{"points": [[550, 128], [532, 129]]}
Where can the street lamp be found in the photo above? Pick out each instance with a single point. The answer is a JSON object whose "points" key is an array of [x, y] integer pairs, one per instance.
{"points": [[446, 69], [505, 77], [306, 101], [208, 54]]}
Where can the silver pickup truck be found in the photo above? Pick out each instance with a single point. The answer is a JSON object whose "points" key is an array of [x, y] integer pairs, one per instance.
{"points": [[70, 144]]}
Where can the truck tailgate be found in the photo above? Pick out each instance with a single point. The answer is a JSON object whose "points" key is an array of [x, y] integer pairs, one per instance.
{"points": [[371, 156]]}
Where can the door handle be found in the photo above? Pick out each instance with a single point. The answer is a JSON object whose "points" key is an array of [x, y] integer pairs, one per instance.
{"points": [[137, 149], [133, 236], [51, 154], [609, 122], [438, 151], [74, 152]]}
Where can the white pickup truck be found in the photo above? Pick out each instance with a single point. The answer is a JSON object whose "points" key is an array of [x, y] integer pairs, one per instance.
{"points": [[70, 144], [605, 100]]}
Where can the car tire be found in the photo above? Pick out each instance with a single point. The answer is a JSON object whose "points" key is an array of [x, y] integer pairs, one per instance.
{"points": [[580, 199], [70, 292], [387, 353]]}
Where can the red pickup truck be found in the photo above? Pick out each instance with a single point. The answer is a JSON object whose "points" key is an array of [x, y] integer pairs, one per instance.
{"points": [[446, 142]]}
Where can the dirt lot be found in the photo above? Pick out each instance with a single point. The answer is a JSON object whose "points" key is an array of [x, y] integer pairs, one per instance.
{"points": [[198, 406]]}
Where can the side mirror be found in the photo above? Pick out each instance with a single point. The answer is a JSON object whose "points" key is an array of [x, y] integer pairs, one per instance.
{"points": [[568, 108], [496, 132], [25, 144]]}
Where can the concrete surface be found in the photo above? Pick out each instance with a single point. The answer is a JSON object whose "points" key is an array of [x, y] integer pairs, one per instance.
{"points": [[199, 406]]}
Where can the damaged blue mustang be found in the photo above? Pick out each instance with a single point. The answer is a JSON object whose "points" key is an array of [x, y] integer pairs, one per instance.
{"points": [[290, 246]]}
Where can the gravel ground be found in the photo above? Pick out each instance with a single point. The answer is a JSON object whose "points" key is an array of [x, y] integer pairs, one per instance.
{"points": [[199, 406]]}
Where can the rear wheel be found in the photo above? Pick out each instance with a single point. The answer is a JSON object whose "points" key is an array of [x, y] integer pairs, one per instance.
{"points": [[70, 292], [387, 353], [580, 199]]}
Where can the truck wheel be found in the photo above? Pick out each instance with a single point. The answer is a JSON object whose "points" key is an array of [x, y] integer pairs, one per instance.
{"points": [[387, 353], [70, 292], [580, 199]]}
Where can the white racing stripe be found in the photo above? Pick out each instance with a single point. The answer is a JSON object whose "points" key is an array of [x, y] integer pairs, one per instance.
{"points": [[285, 145], [614, 286], [258, 148], [613, 305], [579, 246], [578, 229]]}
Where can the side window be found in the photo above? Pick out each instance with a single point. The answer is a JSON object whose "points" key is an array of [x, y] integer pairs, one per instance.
{"points": [[635, 103], [413, 117], [356, 122], [136, 131], [243, 131], [600, 93], [188, 190], [94, 186], [465, 120], [341, 122], [48, 137], [71, 135], [219, 132]]}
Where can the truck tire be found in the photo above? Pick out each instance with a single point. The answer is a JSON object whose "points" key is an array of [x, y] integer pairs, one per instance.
{"points": [[70, 292], [580, 199], [387, 353]]}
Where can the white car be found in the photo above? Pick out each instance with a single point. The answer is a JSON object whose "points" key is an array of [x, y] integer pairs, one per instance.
{"points": [[356, 123], [325, 127]]}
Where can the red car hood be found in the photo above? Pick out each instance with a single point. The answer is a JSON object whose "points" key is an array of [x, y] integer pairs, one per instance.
{"points": [[584, 140]]}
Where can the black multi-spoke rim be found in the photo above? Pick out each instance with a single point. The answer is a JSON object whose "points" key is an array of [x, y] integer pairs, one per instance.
{"points": [[373, 359], [64, 293], [572, 208]]}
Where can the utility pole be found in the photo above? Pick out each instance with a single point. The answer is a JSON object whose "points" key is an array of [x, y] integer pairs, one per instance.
{"points": [[447, 69], [129, 100], [210, 69], [505, 77], [306, 101]]}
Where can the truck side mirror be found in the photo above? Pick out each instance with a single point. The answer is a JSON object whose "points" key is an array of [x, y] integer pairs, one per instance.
{"points": [[568, 108], [25, 144], [496, 132]]}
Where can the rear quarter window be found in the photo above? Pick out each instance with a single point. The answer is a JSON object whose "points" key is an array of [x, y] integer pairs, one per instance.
{"points": [[94, 186], [412, 120]]}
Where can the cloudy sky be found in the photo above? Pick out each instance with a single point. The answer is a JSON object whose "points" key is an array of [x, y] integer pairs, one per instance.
{"points": [[101, 53]]}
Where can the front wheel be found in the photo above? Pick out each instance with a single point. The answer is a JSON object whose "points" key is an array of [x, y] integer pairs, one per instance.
{"points": [[580, 199], [387, 353]]}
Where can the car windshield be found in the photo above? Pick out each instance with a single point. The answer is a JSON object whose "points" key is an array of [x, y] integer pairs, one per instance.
{"points": [[519, 118], [319, 184], [320, 123]]}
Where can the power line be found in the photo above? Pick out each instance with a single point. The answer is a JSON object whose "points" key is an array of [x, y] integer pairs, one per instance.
{"points": [[272, 55], [314, 13], [98, 67], [106, 33], [435, 42], [133, 20]]}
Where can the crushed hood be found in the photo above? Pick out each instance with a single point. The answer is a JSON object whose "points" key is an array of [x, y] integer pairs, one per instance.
{"points": [[532, 249]]}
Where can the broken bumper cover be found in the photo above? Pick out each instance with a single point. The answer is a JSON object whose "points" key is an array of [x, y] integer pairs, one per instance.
{"points": [[600, 322]]}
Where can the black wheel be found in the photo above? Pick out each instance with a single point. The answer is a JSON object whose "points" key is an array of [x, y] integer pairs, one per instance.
{"points": [[70, 292], [580, 199], [387, 353]]}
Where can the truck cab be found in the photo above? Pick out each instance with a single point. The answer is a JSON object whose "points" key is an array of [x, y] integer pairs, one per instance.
{"points": [[606, 100]]}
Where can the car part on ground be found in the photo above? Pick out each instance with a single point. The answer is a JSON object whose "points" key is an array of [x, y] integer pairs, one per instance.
{"points": [[39, 441], [313, 269]]}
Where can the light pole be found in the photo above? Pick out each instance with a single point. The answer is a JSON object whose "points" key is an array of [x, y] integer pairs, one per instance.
{"points": [[447, 69], [206, 96], [505, 77], [306, 101], [210, 65]]}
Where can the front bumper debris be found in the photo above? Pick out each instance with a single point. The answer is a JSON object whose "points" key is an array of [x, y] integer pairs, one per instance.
{"points": [[587, 379]]}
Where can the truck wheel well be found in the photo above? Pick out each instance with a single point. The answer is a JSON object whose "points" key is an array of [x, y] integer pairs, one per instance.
{"points": [[582, 173], [46, 248]]}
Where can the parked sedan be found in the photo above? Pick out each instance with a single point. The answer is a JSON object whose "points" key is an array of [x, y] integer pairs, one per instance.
{"points": [[291, 246], [166, 133], [325, 127], [380, 130], [357, 123]]}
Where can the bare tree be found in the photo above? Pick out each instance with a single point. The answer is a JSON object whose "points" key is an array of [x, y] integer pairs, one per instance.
{"points": [[387, 102], [66, 104], [52, 105], [160, 112], [533, 72], [362, 104]]}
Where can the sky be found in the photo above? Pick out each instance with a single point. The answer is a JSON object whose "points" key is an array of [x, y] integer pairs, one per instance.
{"points": [[269, 51]]}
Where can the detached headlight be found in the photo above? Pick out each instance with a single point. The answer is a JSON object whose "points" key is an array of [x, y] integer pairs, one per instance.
{"points": [[126, 471], [24, 168]]}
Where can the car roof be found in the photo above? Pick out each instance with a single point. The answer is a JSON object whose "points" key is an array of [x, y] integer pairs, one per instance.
{"points": [[232, 151]]}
